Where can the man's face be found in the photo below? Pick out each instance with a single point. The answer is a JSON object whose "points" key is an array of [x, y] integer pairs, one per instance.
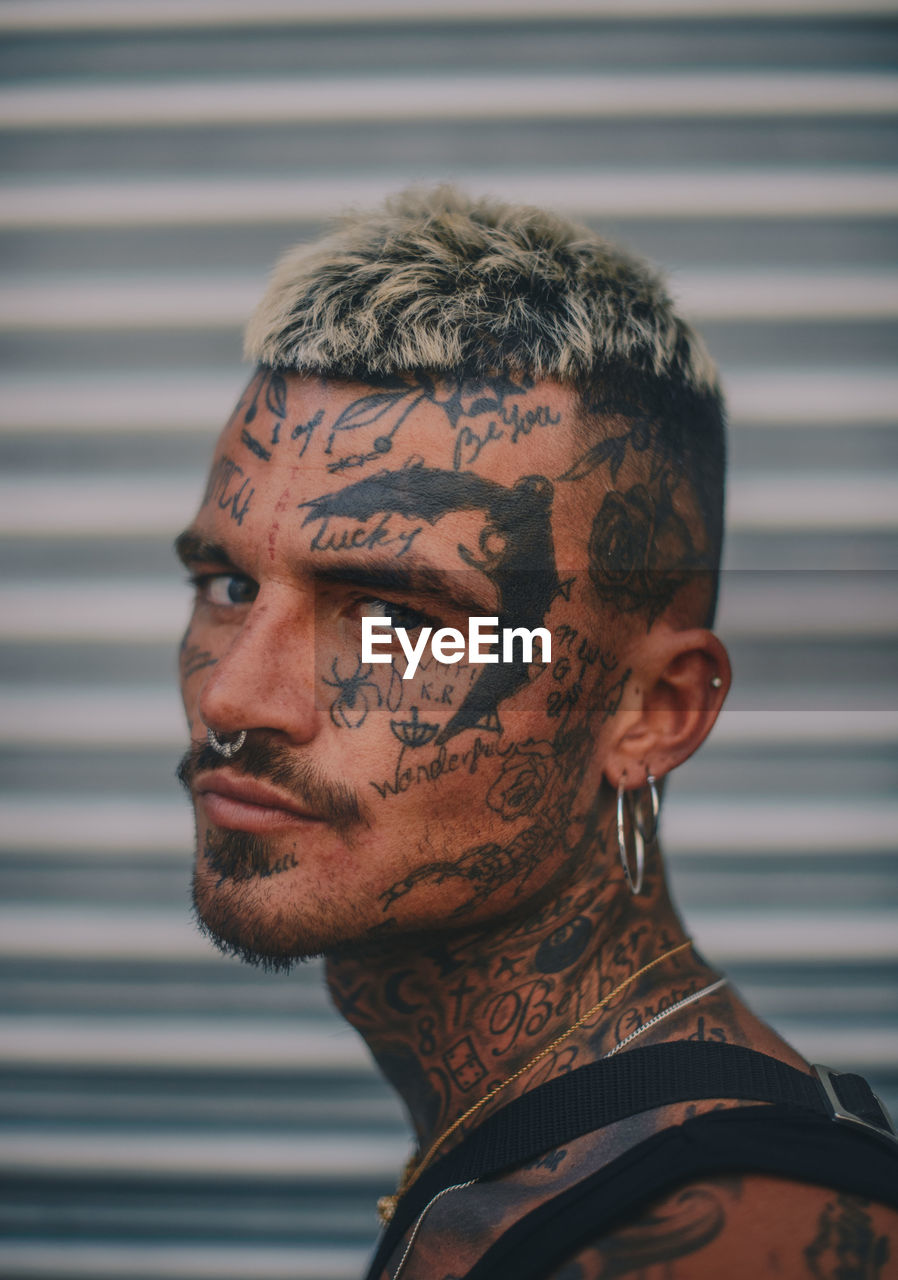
{"points": [[364, 804]]}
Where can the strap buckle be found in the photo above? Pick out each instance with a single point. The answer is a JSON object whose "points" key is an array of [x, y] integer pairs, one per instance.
{"points": [[833, 1093]]}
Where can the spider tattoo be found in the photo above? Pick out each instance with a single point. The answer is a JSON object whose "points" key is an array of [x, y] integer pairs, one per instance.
{"points": [[350, 707]]}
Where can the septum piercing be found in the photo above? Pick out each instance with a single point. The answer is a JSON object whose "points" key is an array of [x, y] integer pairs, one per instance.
{"points": [[226, 749]]}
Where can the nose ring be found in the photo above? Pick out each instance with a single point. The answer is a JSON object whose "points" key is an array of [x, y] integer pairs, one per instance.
{"points": [[226, 749]]}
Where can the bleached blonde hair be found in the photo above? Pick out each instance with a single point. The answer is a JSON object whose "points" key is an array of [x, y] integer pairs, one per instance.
{"points": [[436, 280]]}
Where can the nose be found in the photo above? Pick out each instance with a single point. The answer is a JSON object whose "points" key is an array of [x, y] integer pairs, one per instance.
{"points": [[265, 679]]}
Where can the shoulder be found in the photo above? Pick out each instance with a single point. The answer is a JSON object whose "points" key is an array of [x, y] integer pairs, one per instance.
{"points": [[743, 1227]]}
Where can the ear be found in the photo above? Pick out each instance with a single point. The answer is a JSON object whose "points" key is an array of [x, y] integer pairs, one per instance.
{"points": [[678, 683]]}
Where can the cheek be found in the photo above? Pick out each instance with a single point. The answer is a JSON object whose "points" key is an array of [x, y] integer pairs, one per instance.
{"points": [[351, 693], [409, 714]]}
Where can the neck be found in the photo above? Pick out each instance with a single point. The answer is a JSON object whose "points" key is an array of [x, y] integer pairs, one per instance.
{"points": [[447, 1018]]}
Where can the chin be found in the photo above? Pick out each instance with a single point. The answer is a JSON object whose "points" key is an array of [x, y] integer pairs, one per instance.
{"points": [[247, 940], [254, 902]]}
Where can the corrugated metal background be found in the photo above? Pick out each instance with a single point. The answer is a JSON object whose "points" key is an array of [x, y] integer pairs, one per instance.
{"points": [[166, 1113]]}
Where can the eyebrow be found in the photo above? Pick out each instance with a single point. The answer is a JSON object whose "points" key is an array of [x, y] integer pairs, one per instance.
{"points": [[192, 548], [418, 580]]}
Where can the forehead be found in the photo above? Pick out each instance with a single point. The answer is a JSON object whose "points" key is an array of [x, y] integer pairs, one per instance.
{"points": [[294, 440], [499, 427]]}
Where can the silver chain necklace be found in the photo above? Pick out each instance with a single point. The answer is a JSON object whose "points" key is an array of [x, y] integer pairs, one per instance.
{"points": [[665, 1013], [651, 1022]]}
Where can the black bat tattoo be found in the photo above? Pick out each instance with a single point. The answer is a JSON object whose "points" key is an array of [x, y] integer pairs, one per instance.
{"points": [[516, 553]]}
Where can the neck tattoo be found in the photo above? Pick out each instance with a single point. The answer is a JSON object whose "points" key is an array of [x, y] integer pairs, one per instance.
{"points": [[461, 1186], [386, 1205]]}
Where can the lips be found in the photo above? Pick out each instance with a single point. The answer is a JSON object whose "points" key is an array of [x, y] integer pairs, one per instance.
{"points": [[245, 804]]}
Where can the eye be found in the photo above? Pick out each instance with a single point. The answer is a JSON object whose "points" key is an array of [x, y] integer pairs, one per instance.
{"points": [[225, 590], [401, 614]]}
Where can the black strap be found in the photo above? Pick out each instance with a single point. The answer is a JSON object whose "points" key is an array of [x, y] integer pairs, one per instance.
{"points": [[770, 1140], [598, 1095]]}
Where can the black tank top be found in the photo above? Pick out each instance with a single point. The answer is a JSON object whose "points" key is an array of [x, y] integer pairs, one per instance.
{"points": [[828, 1129]]}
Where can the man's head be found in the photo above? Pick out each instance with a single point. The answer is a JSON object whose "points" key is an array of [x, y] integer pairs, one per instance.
{"points": [[461, 409]]}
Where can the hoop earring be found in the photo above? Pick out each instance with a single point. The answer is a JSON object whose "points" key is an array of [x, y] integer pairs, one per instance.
{"points": [[634, 883], [651, 835]]}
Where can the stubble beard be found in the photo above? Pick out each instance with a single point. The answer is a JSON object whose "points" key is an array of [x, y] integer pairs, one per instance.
{"points": [[224, 917], [230, 869], [259, 916], [241, 900]]}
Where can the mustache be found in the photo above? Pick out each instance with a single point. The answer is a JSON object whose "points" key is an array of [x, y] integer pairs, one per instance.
{"points": [[334, 802]]}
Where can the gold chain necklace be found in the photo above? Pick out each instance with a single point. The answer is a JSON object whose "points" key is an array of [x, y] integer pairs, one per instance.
{"points": [[386, 1205]]}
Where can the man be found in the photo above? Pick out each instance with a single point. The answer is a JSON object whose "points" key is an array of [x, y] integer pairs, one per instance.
{"points": [[489, 427]]}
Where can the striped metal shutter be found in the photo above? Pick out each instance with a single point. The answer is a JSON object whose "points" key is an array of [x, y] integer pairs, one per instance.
{"points": [[166, 1113]]}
